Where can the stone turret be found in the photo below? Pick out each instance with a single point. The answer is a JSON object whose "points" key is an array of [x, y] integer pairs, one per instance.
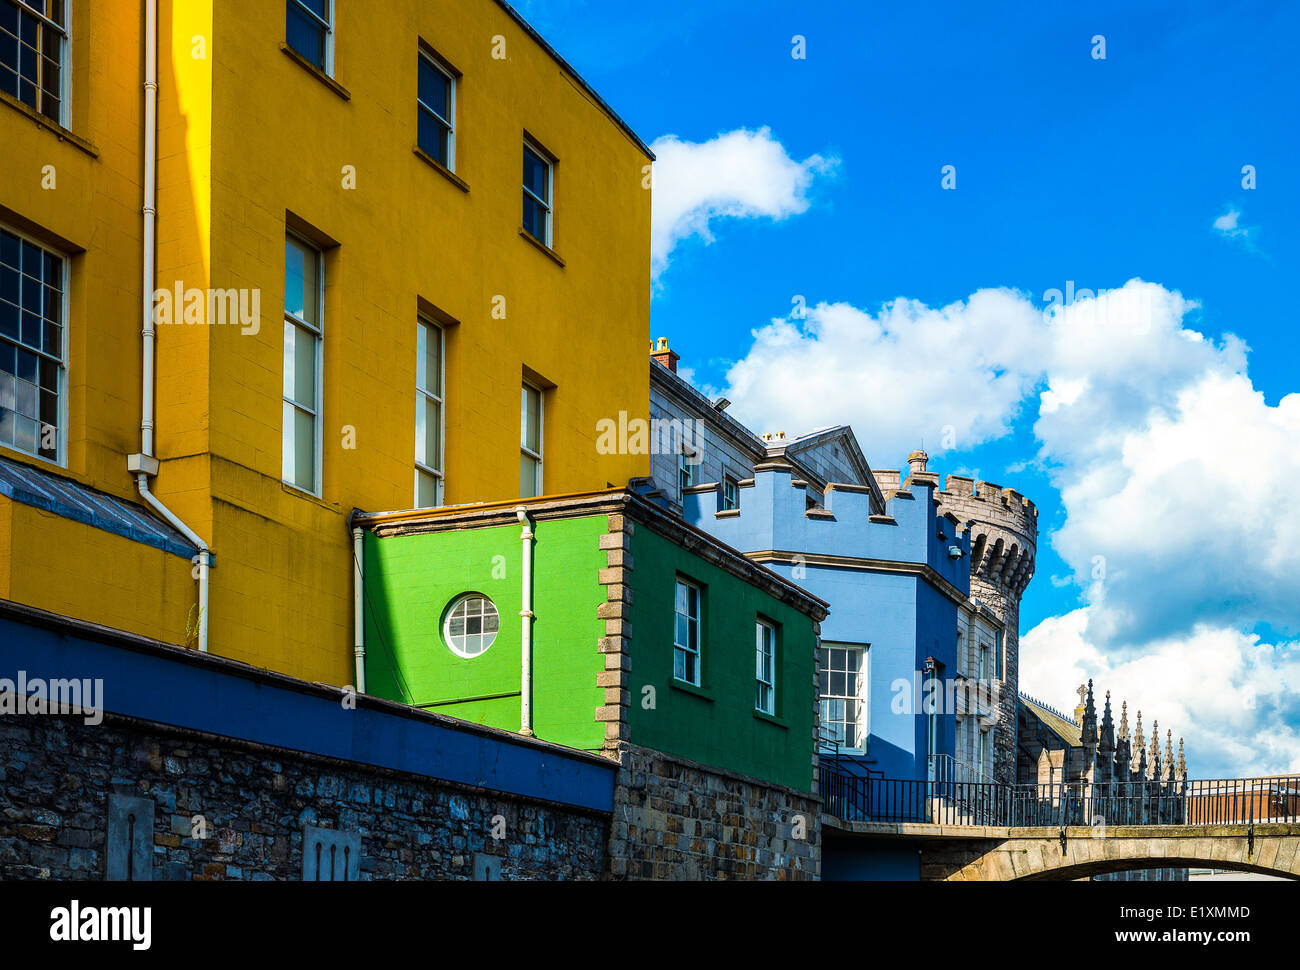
{"points": [[1003, 529]]}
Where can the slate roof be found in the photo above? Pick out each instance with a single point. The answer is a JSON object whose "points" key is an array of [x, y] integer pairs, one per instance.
{"points": [[72, 500], [1064, 728]]}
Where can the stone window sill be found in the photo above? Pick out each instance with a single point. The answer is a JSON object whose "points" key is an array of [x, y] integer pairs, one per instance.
{"points": [[441, 169], [541, 246], [63, 134], [316, 72], [772, 719], [691, 689]]}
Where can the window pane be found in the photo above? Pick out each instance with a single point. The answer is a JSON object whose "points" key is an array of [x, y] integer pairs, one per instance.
{"points": [[426, 490], [428, 361], [301, 287], [535, 174], [531, 406], [300, 365], [421, 353], [435, 90], [304, 435], [304, 34], [528, 477], [534, 218], [428, 432], [433, 138]]}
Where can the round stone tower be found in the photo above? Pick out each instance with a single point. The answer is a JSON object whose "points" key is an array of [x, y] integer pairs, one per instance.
{"points": [[1003, 527]]}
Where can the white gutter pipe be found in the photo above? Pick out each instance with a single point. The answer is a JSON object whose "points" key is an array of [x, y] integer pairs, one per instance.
{"points": [[358, 616], [145, 464], [526, 626]]}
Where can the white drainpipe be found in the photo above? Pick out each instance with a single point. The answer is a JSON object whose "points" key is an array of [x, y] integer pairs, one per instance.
{"points": [[358, 616], [526, 626], [145, 464]]}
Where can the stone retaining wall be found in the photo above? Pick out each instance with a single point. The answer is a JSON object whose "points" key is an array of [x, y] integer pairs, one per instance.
{"points": [[57, 775], [675, 819]]}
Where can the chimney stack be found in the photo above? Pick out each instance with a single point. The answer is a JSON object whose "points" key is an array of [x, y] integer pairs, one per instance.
{"points": [[661, 352], [917, 461]]}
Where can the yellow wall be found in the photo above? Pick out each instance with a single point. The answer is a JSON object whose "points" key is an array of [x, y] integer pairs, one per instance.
{"points": [[246, 136], [78, 570]]}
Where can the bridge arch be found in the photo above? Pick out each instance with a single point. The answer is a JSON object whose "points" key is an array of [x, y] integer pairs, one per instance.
{"points": [[1040, 855]]}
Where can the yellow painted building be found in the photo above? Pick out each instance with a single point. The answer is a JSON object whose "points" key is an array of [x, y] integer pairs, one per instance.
{"points": [[367, 183]]}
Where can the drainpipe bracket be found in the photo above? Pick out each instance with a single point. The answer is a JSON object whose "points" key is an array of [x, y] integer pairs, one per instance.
{"points": [[142, 464]]}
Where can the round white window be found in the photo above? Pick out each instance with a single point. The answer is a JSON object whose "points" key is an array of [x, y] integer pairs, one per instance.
{"points": [[471, 625]]}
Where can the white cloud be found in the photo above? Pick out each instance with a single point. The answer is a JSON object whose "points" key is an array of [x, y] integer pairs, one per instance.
{"points": [[738, 174], [901, 374], [1175, 474], [1229, 226], [1232, 697]]}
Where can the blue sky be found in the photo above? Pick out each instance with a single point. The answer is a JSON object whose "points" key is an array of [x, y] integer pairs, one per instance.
{"points": [[1151, 426]]}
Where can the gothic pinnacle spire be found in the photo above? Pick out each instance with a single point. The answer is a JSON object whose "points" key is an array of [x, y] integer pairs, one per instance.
{"points": [[1123, 720], [1154, 760], [1089, 733], [1106, 737]]}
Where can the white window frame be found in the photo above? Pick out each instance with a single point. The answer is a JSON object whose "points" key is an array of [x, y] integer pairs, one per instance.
{"points": [[327, 23], [695, 650], [983, 663], [541, 432], [863, 693], [422, 393], [60, 459], [318, 424], [685, 472], [730, 484], [65, 48], [437, 65], [765, 645], [548, 204], [447, 636]]}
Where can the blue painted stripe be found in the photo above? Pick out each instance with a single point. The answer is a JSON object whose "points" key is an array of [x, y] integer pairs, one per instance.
{"points": [[222, 697]]}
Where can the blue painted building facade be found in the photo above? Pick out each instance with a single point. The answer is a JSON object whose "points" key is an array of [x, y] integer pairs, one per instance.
{"points": [[895, 580]]}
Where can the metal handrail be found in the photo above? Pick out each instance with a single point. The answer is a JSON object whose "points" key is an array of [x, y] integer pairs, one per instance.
{"points": [[950, 801]]}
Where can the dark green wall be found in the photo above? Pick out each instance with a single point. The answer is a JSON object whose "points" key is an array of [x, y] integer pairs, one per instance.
{"points": [[716, 724]]}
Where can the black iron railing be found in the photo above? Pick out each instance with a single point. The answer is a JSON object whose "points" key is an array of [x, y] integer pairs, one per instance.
{"points": [[869, 797]]}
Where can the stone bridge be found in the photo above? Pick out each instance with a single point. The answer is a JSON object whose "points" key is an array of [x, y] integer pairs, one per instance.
{"points": [[1000, 853]]}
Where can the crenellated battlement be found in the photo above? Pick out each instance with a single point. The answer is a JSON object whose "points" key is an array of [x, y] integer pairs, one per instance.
{"points": [[774, 516]]}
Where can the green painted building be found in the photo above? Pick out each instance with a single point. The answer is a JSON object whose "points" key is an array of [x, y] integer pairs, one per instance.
{"points": [[643, 630]]}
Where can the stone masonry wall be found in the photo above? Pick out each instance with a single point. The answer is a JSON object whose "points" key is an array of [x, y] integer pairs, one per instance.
{"points": [[1003, 528], [56, 776], [675, 819]]}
